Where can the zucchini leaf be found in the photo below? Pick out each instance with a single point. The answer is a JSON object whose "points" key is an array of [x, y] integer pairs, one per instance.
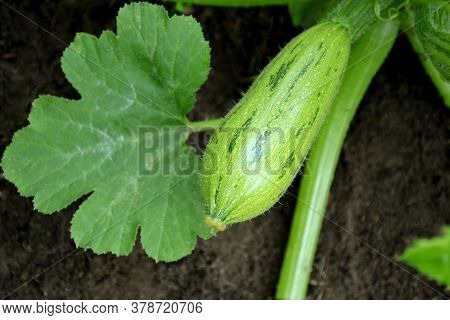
{"points": [[123, 142], [432, 26], [431, 256]]}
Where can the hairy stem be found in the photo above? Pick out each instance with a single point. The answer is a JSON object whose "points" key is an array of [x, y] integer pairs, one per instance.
{"points": [[366, 58], [358, 16]]}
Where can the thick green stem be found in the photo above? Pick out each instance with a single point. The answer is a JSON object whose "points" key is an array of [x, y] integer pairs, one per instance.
{"points": [[366, 58], [204, 125], [440, 83], [358, 16]]}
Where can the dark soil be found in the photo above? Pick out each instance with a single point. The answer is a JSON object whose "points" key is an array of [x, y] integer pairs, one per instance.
{"points": [[392, 182]]}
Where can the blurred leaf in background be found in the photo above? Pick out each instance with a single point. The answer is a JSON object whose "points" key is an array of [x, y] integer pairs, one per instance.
{"points": [[431, 256]]}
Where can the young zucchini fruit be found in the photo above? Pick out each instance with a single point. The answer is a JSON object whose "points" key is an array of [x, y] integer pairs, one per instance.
{"points": [[261, 144]]}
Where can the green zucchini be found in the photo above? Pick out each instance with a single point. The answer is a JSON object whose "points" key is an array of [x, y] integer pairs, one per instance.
{"points": [[261, 144]]}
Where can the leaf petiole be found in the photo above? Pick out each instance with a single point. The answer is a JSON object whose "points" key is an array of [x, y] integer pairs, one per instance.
{"points": [[204, 125]]}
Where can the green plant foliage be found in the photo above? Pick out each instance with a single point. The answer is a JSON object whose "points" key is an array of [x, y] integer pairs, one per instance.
{"points": [[146, 76], [309, 12], [237, 3], [442, 85], [432, 26], [431, 256]]}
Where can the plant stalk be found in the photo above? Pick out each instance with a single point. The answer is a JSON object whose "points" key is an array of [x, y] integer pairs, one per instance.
{"points": [[366, 57], [204, 125], [358, 16]]}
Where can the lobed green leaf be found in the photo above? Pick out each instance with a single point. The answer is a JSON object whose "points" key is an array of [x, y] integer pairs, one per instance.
{"points": [[136, 85]]}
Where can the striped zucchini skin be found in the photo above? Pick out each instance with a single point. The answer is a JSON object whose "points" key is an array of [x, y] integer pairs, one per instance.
{"points": [[259, 147]]}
